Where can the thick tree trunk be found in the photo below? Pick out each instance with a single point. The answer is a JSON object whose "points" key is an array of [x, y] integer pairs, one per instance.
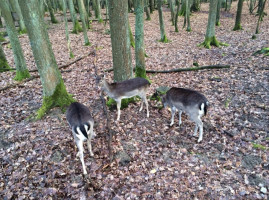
{"points": [[54, 91], [21, 68], [83, 20], [71, 55], [76, 26], [3, 61], [121, 51], [140, 70], [210, 38], [163, 35], [16, 7], [237, 25]]}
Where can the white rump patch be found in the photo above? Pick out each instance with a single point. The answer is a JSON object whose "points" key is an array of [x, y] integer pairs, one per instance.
{"points": [[80, 135], [201, 112]]}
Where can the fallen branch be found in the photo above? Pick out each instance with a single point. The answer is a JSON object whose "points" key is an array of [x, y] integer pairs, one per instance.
{"points": [[183, 69], [37, 76]]}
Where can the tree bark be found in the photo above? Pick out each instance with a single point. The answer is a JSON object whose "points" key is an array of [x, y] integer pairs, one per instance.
{"points": [[83, 20], [163, 35], [15, 5], [76, 26], [51, 11], [3, 61], [54, 91], [139, 39], [237, 25], [147, 10], [121, 51], [176, 17], [21, 68], [71, 55], [218, 13]]}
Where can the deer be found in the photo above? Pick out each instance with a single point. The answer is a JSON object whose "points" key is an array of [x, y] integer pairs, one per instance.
{"points": [[81, 122], [127, 89], [193, 103]]}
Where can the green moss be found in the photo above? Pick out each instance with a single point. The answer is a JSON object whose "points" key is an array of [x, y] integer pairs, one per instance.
{"points": [[188, 29], [77, 28], [22, 31], [88, 44], [253, 37], [20, 75], [2, 39], [124, 102], [54, 20], [100, 20], [60, 98], [4, 66], [258, 146], [212, 41], [164, 39], [237, 27], [71, 55], [218, 23]]}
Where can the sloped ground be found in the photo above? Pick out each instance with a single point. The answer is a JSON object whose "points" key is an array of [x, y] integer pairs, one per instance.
{"points": [[152, 160]]}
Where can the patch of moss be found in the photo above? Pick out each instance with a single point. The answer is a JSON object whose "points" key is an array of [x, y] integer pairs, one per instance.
{"points": [[237, 27], [77, 28], [60, 98], [253, 37], [4, 66], [164, 39], [124, 102], [88, 44], [258, 146], [71, 55], [212, 41], [22, 31], [20, 75], [2, 39]]}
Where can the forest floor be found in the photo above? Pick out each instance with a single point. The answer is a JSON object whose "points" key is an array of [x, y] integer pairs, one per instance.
{"points": [[151, 159]]}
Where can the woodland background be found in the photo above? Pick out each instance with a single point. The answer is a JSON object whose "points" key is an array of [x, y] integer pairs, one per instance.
{"points": [[151, 159]]}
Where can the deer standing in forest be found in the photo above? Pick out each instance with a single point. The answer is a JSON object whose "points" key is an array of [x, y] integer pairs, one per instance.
{"points": [[81, 122], [127, 89], [189, 101]]}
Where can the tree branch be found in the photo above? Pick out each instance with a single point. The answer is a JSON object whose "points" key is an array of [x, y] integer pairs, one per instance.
{"points": [[183, 69]]}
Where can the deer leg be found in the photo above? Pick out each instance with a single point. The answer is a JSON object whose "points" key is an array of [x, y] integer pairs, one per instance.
{"points": [[118, 108], [198, 124], [141, 107], [90, 135], [80, 148], [173, 109], [179, 116]]}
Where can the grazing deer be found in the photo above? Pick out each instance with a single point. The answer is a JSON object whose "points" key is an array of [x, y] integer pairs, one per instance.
{"points": [[81, 122], [127, 89], [189, 101]]}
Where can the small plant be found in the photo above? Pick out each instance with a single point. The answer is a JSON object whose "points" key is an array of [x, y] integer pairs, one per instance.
{"points": [[258, 146]]}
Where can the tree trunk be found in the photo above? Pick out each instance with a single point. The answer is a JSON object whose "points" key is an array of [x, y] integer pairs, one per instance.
{"points": [[98, 11], [151, 6], [121, 52], [147, 10], [187, 16], [172, 10], [182, 11], [237, 25], [3, 61], [261, 14], [71, 55], [163, 35], [195, 6], [210, 38], [54, 91], [21, 68], [218, 13], [51, 11], [16, 7], [140, 70], [84, 27], [76, 26], [132, 40], [176, 17]]}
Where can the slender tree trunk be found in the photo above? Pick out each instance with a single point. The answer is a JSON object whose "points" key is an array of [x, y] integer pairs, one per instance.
{"points": [[121, 52], [147, 10], [151, 6], [210, 38], [132, 40], [172, 10], [3, 61], [176, 17], [261, 13], [140, 70], [71, 55], [15, 5], [218, 13], [21, 68], [163, 35], [182, 11], [54, 91], [237, 25], [195, 6], [51, 11], [187, 16], [76, 26], [84, 27]]}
